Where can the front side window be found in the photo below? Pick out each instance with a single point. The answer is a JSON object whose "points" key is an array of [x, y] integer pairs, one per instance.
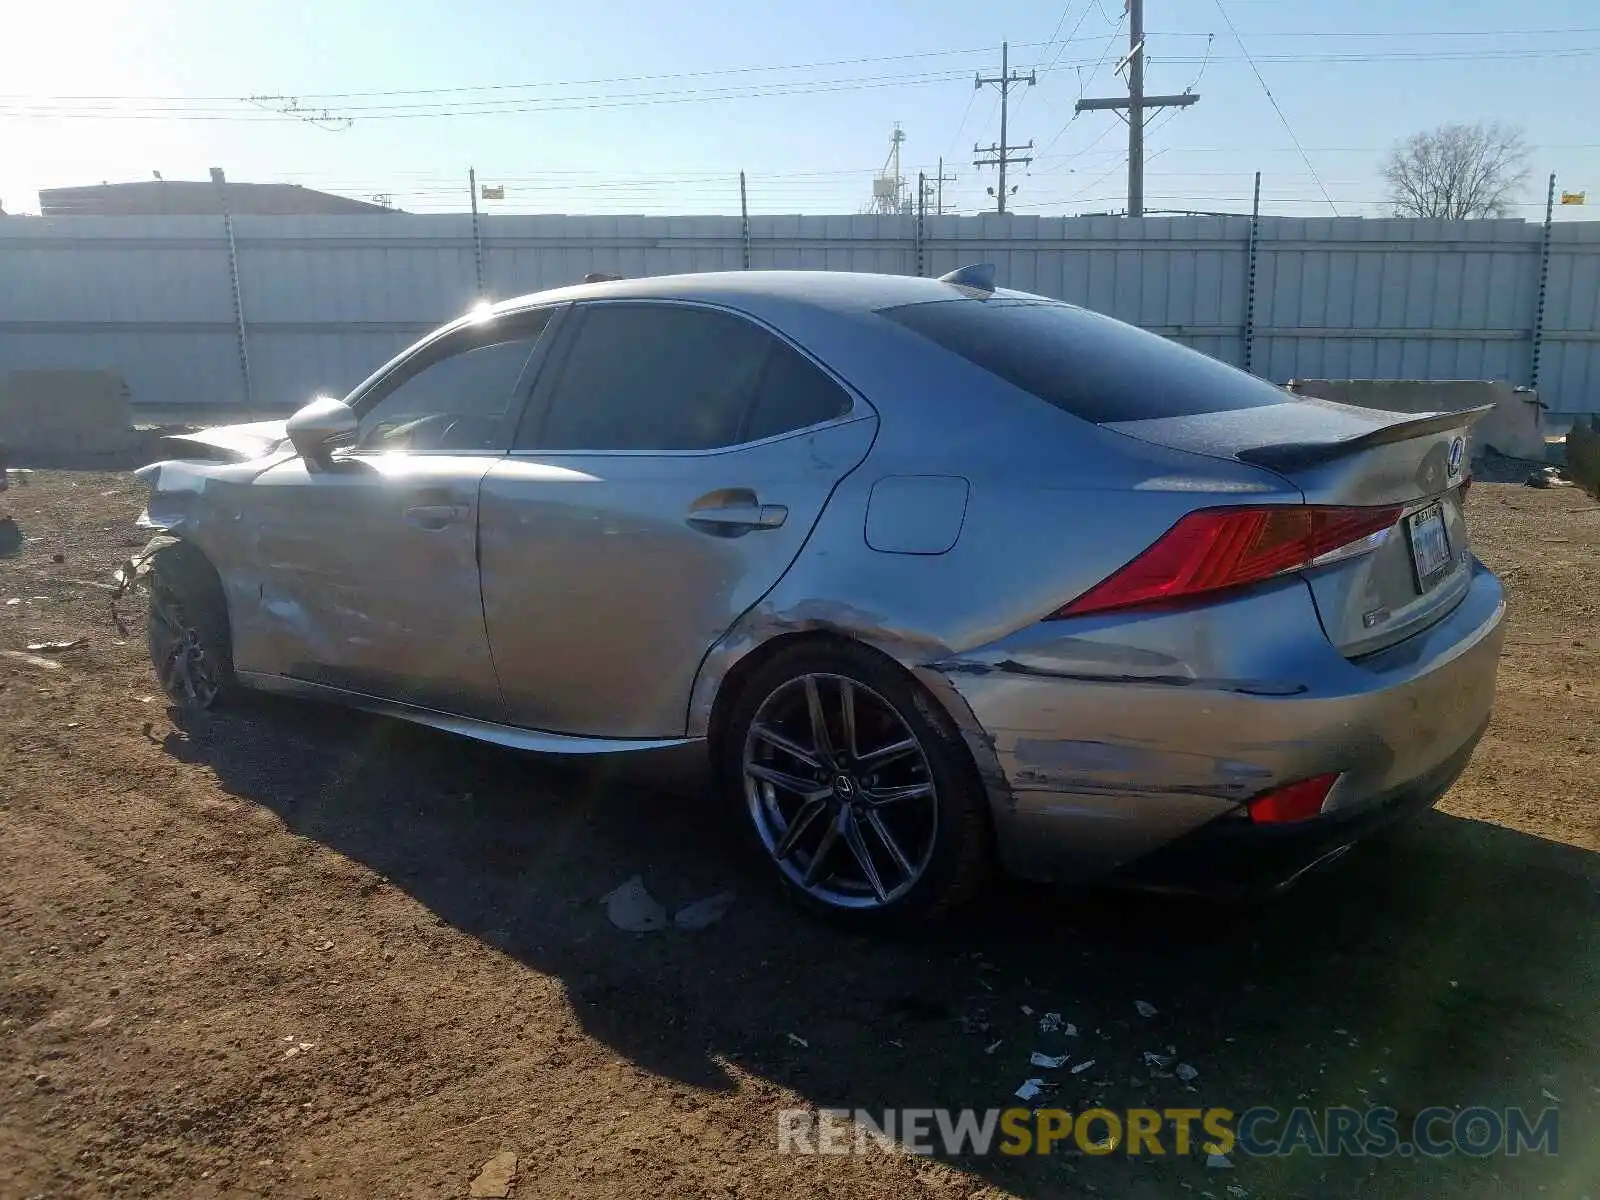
{"points": [[461, 398]]}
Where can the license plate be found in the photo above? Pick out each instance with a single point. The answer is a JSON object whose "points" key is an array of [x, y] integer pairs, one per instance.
{"points": [[1430, 545]]}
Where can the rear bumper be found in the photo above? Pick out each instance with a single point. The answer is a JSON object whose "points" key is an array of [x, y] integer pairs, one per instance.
{"points": [[1234, 857], [1106, 743]]}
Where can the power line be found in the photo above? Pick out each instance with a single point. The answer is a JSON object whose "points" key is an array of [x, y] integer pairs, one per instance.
{"points": [[1274, 101], [1409, 35], [1401, 55], [1082, 84], [1051, 65], [1066, 11], [606, 79], [962, 124]]}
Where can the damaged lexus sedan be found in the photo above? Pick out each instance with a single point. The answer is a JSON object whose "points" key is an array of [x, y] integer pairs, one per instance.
{"points": [[935, 576]]}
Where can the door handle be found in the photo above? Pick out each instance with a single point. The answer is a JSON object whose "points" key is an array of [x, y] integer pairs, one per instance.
{"points": [[437, 516], [730, 520]]}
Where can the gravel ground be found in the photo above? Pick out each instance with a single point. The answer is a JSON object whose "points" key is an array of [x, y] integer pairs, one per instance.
{"points": [[299, 952]]}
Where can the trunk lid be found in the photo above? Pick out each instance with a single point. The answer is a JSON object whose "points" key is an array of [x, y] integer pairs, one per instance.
{"points": [[1337, 454]]}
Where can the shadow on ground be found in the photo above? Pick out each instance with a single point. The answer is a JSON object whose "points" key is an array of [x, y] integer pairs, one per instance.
{"points": [[1446, 963]]}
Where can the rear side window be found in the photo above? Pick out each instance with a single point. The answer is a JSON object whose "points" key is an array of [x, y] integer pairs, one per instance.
{"points": [[1083, 363], [664, 377], [794, 393]]}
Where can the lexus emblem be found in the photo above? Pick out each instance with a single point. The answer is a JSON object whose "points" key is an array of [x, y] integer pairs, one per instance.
{"points": [[1458, 447]]}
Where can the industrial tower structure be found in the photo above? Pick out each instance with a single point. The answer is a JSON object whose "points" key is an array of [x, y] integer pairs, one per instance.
{"points": [[891, 194]]}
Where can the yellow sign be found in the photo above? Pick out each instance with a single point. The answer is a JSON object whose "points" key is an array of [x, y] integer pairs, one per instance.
{"points": [[498, 191], [1573, 197]]}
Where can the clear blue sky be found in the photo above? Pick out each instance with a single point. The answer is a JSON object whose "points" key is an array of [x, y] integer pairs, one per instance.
{"points": [[109, 90]]}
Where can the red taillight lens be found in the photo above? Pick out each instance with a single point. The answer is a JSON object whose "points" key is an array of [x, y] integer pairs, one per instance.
{"points": [[1297, 802], [1217, 548]]}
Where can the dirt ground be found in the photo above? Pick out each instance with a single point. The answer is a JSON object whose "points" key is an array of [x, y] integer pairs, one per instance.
{"points": [[301, 952]]}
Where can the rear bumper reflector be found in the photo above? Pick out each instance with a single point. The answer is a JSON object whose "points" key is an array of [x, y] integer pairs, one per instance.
{"points": [[1297, 802]]}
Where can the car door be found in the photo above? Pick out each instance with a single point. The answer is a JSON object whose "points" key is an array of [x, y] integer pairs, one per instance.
{"points": [[367, 564], [672, 463]]}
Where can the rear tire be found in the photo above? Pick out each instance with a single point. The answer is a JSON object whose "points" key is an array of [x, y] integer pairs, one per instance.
{"points": [[191, 645], [880, 787]]}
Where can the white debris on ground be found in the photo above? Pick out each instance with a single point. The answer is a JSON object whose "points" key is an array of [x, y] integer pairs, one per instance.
{"points": [[993, 1046], [1144, 1008], [1083, 1066], [630, 907], [1030, 1089], [56, 647], [1051, 1022], [1187, 1073], [32, 660], [701, 913], [495, 1179], [1219, 1162], [1048, 1061], [1152, 1059], [796, 1040]]}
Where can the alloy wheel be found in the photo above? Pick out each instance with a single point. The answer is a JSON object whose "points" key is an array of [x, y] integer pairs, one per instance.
{"points": [[840, 791], [186, 670]]}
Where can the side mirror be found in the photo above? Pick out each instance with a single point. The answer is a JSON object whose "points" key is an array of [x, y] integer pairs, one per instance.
{"points": [[314, 428]]}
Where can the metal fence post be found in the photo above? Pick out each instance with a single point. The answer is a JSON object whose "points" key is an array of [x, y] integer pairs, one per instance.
{"points": [[744, 221], [1544, 287], [477, 235], [922, 212], [241, 332], [1250, 279]]}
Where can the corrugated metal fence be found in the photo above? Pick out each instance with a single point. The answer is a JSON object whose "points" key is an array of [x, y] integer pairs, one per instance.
{"points": [[320, 301]]}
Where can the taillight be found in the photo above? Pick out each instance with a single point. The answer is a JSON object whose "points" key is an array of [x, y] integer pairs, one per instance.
{"points": [[1213, 549], [1297, 802]]}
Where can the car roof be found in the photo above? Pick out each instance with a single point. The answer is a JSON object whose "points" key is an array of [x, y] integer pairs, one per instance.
{"points": [[836, 291]]}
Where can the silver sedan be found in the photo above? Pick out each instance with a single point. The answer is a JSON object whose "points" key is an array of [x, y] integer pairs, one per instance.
{"points": [[935, 576]]}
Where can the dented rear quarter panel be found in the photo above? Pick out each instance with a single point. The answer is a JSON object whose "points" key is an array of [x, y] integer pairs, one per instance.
{"points": [[1100, 739]]}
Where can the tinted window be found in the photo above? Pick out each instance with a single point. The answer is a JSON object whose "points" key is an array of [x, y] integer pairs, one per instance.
{"points": [[655, 377], [794, 393], [1083, 363], [462, 400]]}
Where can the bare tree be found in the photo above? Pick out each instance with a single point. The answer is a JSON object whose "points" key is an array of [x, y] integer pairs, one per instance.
{"points": [[1457, 171]]}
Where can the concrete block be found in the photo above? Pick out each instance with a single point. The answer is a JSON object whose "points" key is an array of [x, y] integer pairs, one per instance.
{"points": [[1515, 427], [66, 412]]}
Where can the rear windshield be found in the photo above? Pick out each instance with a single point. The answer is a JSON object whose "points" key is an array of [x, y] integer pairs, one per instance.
{"points": [[1084, 363]]}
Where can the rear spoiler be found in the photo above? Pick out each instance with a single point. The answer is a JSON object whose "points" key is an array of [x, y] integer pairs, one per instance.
{"points": [[1295, 456]]}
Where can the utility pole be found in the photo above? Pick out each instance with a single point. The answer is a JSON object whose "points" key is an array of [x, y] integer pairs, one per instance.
{"points": [[1136, 103], [1001, 155], [477, 233], [940, 180]]}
